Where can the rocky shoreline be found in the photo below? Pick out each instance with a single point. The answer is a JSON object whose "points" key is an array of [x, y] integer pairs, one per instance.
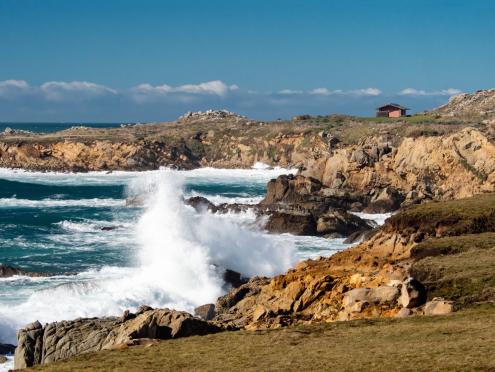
{"points": [[432, 257]]}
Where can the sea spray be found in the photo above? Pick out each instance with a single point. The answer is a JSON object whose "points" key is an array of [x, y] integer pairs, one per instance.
{"points": [[176, 262]]}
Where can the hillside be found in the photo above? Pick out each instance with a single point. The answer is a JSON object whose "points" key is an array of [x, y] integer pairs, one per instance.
{"points": [[480, 104]]}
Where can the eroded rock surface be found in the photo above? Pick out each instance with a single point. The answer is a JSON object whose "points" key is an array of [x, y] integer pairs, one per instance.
{"points": [[60, 340]]}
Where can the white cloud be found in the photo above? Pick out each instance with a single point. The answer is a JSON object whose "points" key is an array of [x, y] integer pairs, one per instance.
{"points": [[366, 92], [321, 91], [420, 92], [290, 91], [356, 92], [13, 87], [74, 90], [148, 92]]}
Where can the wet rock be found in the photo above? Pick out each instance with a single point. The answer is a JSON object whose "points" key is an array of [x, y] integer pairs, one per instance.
{"points": [[290, 189], [297, 223], [341, 222], [233, 278], [9, 271], [201, 204]]}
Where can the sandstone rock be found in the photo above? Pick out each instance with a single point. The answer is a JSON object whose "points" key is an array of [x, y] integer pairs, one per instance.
{"points": [[252, 287], [403, 313], [388, 199], [205, 312], [438, 306], [290, 189], [377, 295], [413, 293]]}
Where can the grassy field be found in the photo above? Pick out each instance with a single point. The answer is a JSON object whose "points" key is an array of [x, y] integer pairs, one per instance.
{"points": [[460, 341]]}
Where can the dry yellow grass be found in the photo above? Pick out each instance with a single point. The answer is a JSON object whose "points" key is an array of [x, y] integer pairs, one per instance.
{"points": [[461, 341]]}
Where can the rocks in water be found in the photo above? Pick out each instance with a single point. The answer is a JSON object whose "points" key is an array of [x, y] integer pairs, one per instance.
{"points": [[6, 349], [8, 271], [438, 306], [413, 293], [61, 340], [297, 223], [233, 278], [341, 223], [205, 312], [291, 189], [201, 204]]}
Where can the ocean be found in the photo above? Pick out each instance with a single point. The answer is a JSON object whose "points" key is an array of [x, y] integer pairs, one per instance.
{"points": [[106, 257], [52, 127]]}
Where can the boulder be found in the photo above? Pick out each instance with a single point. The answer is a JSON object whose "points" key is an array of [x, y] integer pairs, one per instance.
{"points": [[341, 222], [205, 312], [403, 313], [29, 346], [233, 278], [378, 295], [201, 204], [3, 359], [297, 223], [290, 189], [438, 306], [65, 339], [413, 293], [385, 200]]}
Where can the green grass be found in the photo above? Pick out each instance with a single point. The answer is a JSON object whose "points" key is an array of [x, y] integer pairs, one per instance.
{"points": [[460, 341], [413, 119], [458, 217]]}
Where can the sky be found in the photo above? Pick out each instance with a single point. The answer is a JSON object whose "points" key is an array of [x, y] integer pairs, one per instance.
{"points": [[150, 60]]}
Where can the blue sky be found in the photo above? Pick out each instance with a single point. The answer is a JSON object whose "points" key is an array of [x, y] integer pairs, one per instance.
{"points": [[123, 60]]}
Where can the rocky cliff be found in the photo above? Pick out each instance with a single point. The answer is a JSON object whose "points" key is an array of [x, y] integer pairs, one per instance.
{"points": [[417, 169], [480, 104]]}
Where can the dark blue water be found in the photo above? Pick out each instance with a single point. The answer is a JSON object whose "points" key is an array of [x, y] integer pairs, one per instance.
{"points": [[53, 127]]}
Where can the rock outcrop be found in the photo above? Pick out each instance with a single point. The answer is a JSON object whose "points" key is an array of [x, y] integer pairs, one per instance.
{"points": [[39, 344], [417, 170], [478, 104]]}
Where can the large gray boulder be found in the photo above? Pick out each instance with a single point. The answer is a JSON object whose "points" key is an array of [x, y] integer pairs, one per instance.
{"points": [[65, 339]]}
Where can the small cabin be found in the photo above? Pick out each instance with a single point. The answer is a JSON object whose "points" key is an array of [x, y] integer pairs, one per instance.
{"points": [[391, 110]]}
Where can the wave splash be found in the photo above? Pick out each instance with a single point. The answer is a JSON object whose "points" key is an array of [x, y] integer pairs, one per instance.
{"points": [[176, 265]]}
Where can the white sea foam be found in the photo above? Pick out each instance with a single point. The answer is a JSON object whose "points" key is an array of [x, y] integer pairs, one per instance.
{"points": [[379, 218], [206, 175], [52, 203], [175, 264], [220, 199]]}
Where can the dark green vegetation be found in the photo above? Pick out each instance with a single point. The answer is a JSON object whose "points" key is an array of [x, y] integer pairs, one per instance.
{"points": [[461, 341]]}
